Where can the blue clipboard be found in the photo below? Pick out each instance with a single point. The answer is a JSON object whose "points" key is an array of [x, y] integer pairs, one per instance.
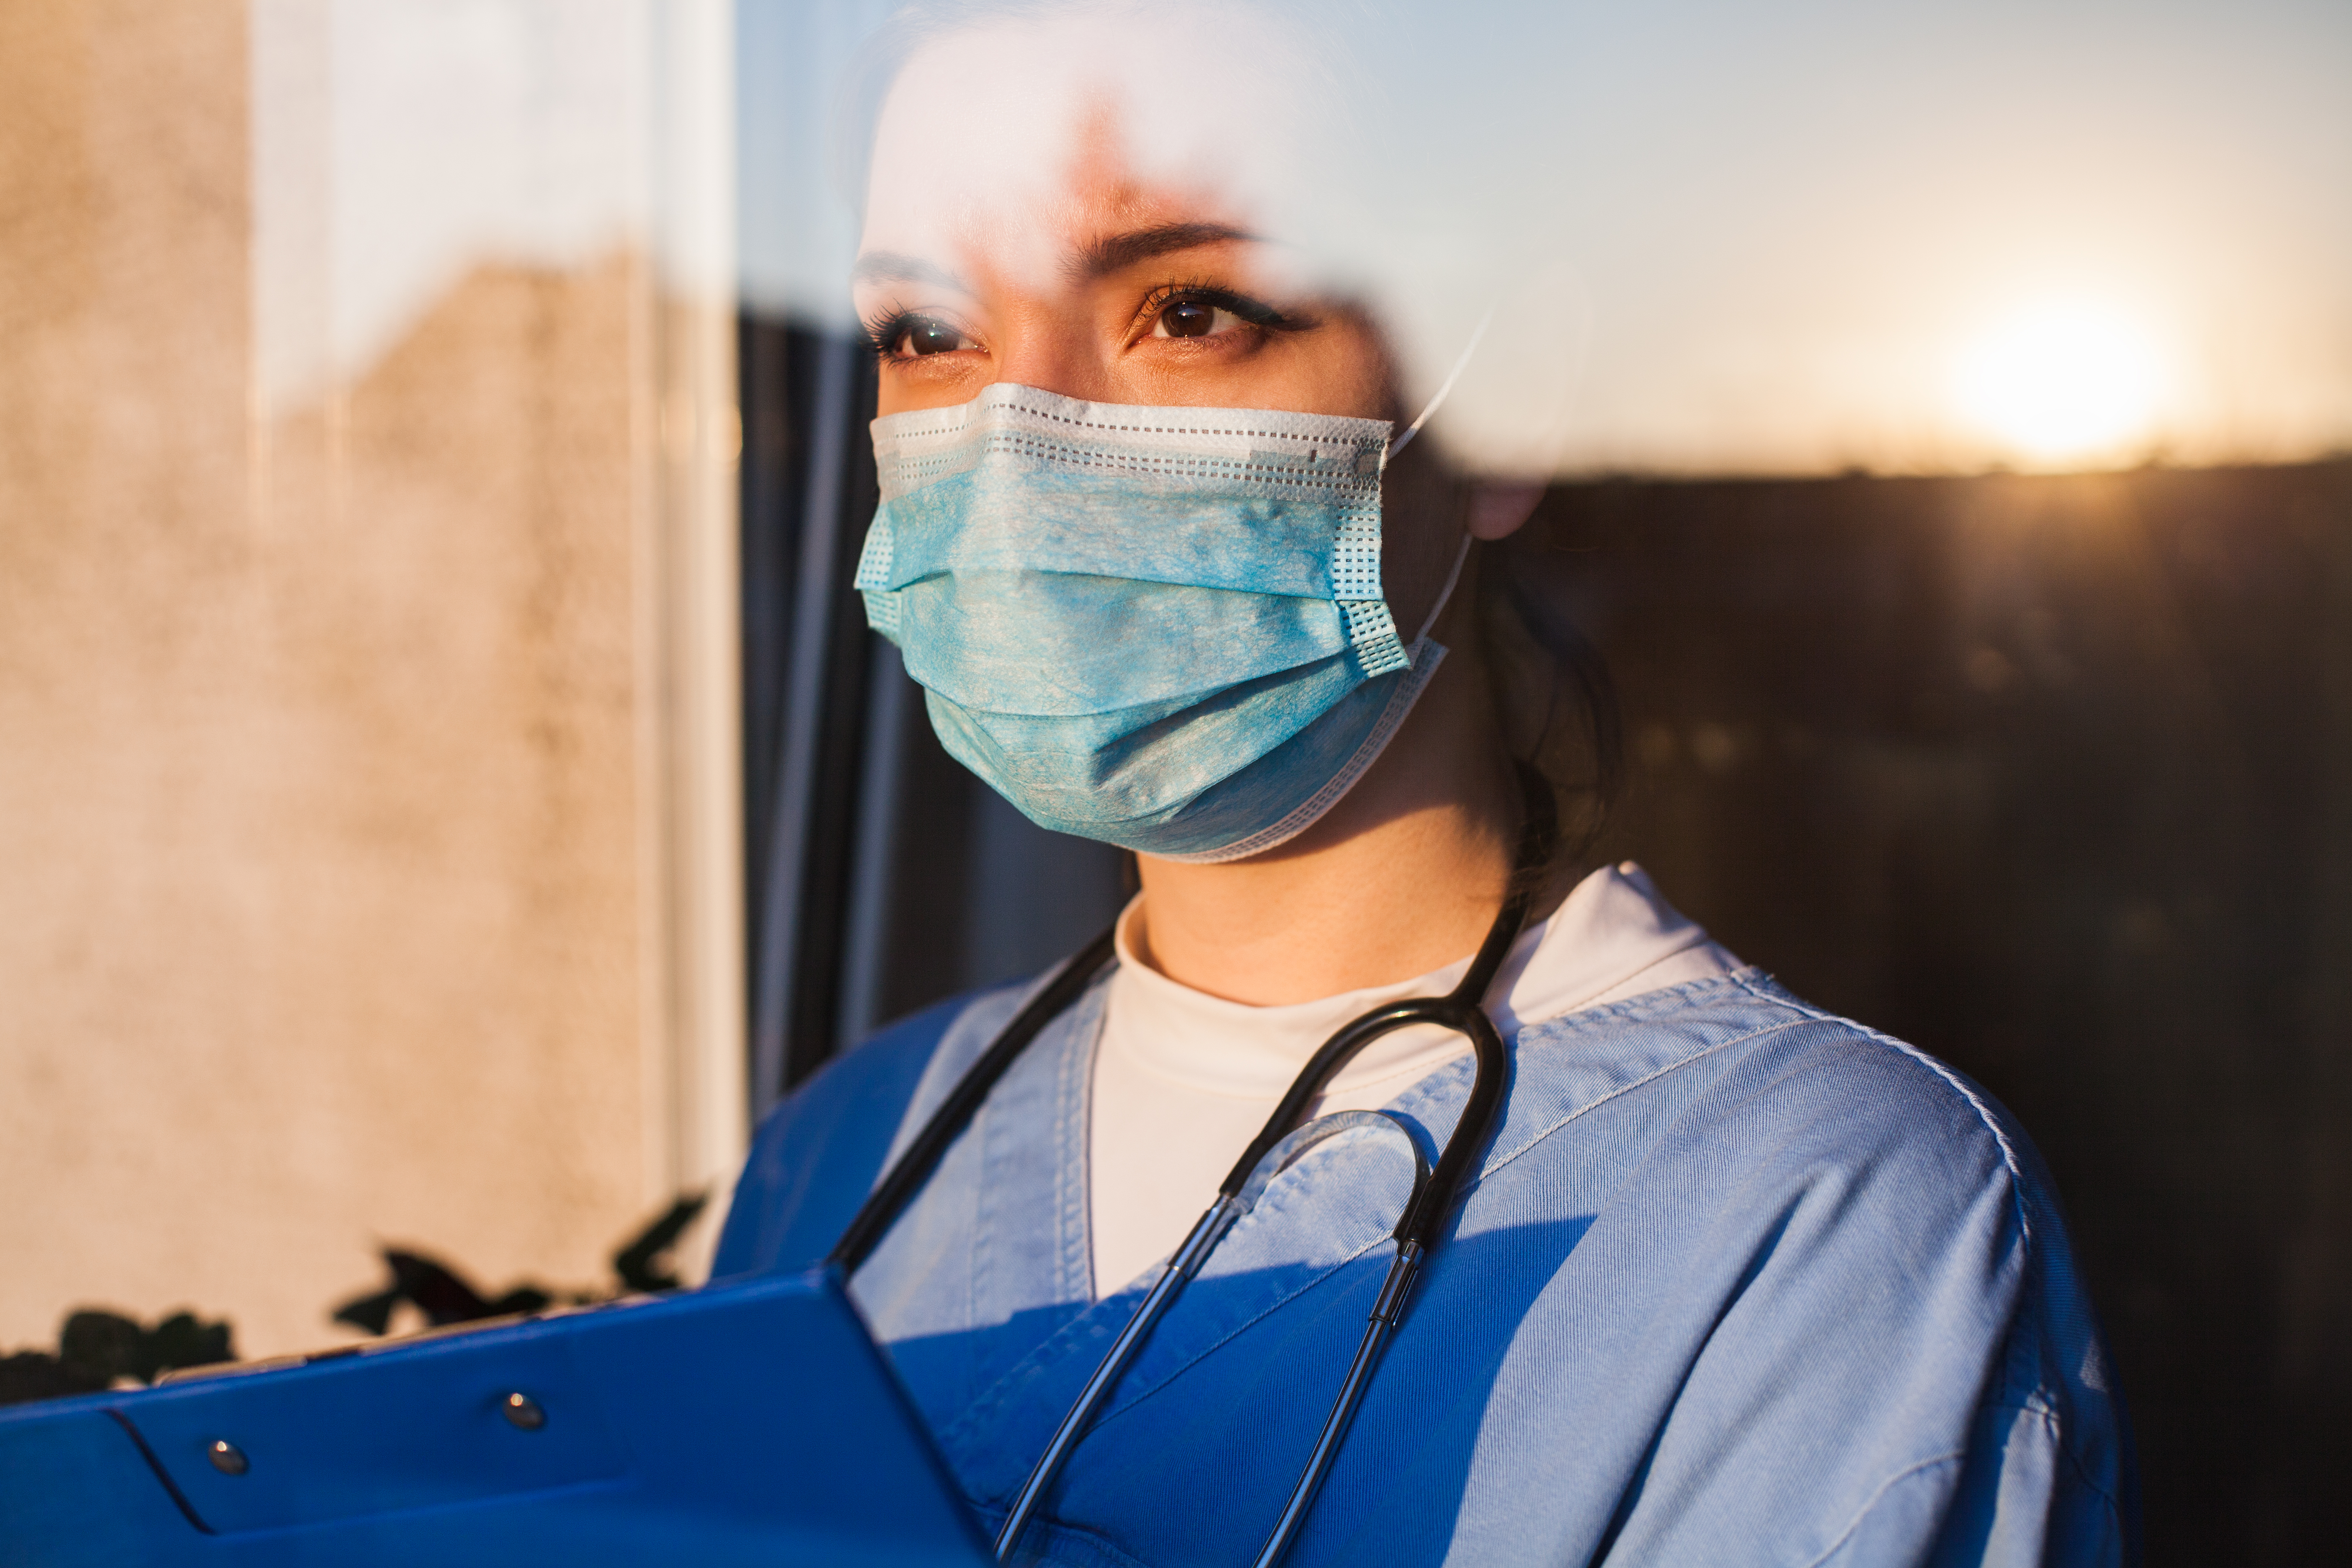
{"points": [[753, 1423]]}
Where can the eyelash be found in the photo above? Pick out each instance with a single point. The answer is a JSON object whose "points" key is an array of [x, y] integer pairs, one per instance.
{"points": [[1256, 312], [883, 330]]}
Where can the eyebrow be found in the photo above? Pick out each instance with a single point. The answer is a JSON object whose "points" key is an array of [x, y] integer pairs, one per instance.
{"points": [[1115, 251]]}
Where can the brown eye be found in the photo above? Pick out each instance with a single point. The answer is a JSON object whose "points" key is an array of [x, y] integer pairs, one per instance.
{"points": [[1188, 319], [927, 335]]}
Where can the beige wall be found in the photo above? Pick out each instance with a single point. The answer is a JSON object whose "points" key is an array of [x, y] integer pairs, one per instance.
{"points": [[364, 874]]}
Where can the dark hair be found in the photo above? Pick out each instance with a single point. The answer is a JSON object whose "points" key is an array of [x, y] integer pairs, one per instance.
{"points": [[1552, 692]]}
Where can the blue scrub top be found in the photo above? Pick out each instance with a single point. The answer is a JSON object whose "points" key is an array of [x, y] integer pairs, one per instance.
{"points": [[1739, 1282]]}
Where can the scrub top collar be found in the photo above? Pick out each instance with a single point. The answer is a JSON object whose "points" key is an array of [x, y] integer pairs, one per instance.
{"points": [[985, 1289]]}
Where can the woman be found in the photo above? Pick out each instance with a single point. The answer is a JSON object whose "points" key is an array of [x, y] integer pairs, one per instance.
{"points": [[1722, 1278]]}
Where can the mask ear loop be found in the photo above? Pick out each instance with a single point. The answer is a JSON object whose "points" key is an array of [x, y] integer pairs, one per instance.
{"points": [[1444, 387], [1405, 438]]}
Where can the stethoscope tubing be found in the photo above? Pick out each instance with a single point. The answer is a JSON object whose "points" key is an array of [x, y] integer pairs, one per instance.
{"points": [[1388, 1309], [1206, 1233], [1417, 1231], [922, 1156], [1181, 1265]]}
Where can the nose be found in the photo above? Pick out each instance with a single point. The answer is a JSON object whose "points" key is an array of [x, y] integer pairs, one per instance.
{"points": [[1052, 342]]}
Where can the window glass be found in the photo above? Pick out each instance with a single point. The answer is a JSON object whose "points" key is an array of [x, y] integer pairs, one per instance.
{"points": [[449, 786]]}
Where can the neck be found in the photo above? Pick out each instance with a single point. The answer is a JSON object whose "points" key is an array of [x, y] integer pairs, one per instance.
{"points": [[1402, 877]]}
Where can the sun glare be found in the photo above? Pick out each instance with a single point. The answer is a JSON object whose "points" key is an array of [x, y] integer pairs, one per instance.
{"points": [[2064, 382]]}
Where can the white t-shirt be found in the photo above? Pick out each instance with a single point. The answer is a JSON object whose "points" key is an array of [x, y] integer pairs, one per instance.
{"points": [[1183, 1080]]}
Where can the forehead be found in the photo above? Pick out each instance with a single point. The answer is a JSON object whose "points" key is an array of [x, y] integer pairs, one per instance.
{"points": [[1012, 146]]}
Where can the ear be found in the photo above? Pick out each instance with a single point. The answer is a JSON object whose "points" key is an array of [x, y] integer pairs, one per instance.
{"points": [[1497, 509]]}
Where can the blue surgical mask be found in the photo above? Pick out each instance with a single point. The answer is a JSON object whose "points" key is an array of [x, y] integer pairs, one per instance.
{"points": [[1158, 627]]}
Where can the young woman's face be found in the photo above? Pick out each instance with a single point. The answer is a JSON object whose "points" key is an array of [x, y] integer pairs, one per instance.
{"points": [[1009, 238], [1154, 298], [1004, 243]]}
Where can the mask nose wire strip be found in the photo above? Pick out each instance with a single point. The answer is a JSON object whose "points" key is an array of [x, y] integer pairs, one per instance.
{"points": [[1444, 387]]}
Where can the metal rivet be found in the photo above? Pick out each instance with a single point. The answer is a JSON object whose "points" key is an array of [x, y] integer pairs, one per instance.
{"points": [[227, 1457], [524, 1412]]}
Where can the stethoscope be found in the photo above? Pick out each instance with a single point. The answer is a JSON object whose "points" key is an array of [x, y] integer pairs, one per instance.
{"points": [[1277, 1146]]}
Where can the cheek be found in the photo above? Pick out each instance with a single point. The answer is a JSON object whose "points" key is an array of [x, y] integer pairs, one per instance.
{"points": [[1353, 373], [941, 381], [1335, 368]]}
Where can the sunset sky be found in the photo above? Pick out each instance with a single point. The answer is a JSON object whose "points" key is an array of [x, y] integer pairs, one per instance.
{"points": [[1717, 237], [1823, 233]]}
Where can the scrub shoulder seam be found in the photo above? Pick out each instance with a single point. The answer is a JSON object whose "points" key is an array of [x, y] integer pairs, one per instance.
{"points": [[1950, 1079], [1622, 1089]]}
